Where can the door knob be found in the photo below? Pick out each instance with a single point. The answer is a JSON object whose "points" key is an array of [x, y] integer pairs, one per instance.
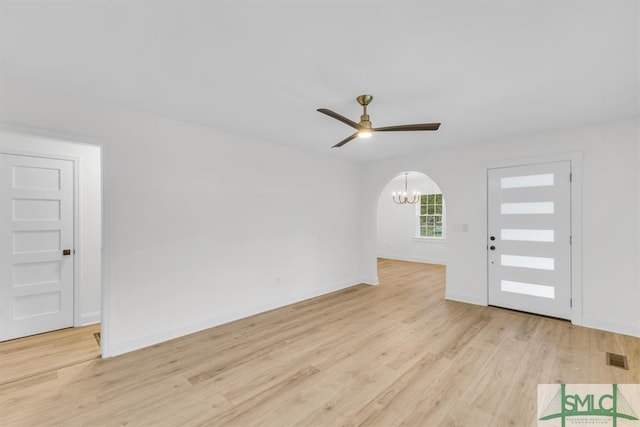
{"points": [[66, 252], [493, 248]]}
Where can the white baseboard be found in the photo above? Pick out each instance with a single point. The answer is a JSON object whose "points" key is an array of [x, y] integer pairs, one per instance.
{"points": [[116, 348], [606, 325], [89, 318], [603, 325], [466, 298], [414, 259], [373, 281], [196, 326]]}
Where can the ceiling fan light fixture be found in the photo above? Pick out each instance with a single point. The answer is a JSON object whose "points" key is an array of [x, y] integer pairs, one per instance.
{"points": [[365, 123]]}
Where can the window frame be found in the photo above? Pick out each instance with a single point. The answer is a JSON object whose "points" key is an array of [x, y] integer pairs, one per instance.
{"points": [[419, 205]]}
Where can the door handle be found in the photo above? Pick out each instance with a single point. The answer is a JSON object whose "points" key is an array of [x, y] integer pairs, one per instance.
{"points": [[66, 252], [493, 248]]}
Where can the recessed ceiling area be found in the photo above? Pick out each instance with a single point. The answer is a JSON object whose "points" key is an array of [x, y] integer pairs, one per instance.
{"points": [[487, 71]]}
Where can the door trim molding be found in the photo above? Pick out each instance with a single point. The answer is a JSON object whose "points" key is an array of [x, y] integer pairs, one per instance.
{"points": [[576, 160]]}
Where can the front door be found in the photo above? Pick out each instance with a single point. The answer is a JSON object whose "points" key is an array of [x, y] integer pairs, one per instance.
{"points": [[36, 245], [529, 238]]}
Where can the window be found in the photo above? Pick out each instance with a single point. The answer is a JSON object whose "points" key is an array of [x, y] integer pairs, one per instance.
{"points": [[431, 216]]}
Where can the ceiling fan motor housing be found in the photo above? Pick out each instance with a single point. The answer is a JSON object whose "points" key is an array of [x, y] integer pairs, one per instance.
{"points": [[364, 121]]}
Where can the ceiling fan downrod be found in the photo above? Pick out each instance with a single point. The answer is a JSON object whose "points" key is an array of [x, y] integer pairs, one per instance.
{"points": [[365, 121]]}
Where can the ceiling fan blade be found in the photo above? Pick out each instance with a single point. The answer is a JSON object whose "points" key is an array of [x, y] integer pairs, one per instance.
{"points": [[344, 141], [421, 126], [340, 117]]}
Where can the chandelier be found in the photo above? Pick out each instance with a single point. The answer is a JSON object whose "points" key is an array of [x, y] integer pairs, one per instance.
{"points": [[402, 197]]}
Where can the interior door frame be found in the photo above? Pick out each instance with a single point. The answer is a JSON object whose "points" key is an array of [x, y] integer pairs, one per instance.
{"points": [[575, 159]]}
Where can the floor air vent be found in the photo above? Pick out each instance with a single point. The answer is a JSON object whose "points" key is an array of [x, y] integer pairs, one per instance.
{"points": [[617, 360]]}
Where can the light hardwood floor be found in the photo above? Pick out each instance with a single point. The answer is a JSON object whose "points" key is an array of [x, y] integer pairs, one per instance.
{"points": [[395, 354], [26, 357]]}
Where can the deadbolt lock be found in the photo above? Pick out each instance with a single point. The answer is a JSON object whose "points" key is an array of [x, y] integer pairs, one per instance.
{"points": [[66, 252]]}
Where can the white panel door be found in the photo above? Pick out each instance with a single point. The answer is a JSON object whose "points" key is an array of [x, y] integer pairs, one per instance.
{"points": [[36, 227], [529, 239]]}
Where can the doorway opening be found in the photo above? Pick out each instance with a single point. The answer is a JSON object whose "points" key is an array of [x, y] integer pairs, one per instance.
{"points": [[71, 252], [412, 228]]}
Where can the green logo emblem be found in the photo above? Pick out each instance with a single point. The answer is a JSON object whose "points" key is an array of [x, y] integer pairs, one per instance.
{"points": [[586, 406]]}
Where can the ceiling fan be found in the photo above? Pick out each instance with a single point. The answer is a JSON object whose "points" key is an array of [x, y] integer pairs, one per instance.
{"points": [[364, 129]]}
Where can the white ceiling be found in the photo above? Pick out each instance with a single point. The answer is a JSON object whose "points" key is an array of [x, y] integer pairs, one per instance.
{"points": [[487, 70]]}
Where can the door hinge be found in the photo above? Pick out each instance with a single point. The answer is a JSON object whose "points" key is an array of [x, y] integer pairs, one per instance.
{"points": [[570, 302], [571, 240], [570, 177]]}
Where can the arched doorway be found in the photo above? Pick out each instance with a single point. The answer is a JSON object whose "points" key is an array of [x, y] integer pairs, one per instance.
{"points": [[416, 230]]}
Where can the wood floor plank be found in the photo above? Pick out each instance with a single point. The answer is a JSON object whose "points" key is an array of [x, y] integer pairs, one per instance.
{"points": [[387, 355], [30, 356]]}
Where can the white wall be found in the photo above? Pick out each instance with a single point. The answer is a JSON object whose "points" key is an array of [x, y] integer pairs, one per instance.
{"points": [[610, 235], [396, 224], [202, 227], [89, 210]]}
